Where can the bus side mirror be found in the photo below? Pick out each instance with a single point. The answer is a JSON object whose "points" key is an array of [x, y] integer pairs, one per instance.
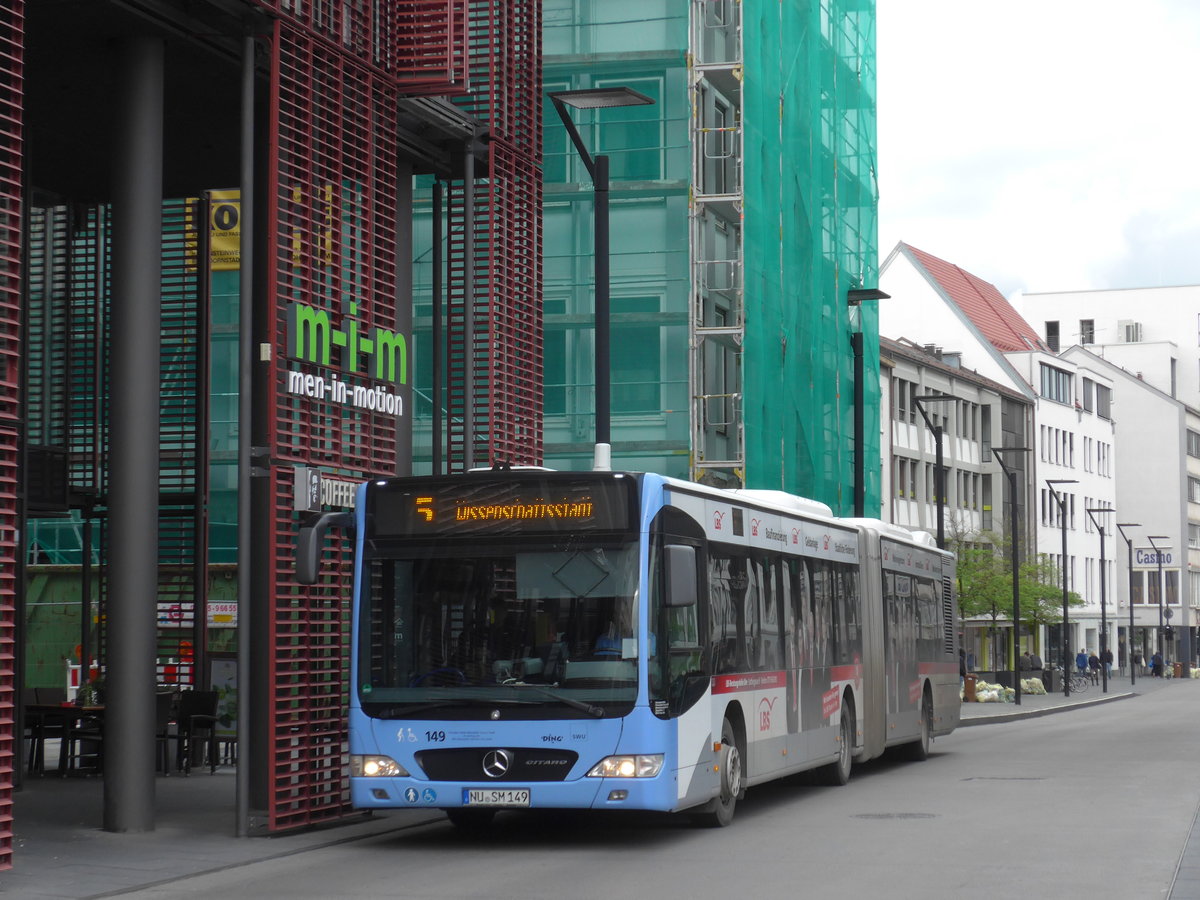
{"points": [[681, 575], [310, 540]]}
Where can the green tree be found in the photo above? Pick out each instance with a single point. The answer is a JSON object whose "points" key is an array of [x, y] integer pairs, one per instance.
{"points": [[1041, 592], [985, 584]]}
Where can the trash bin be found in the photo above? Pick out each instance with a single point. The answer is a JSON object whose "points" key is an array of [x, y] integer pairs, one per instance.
{"points": [[969, 688], [1177, 669]]}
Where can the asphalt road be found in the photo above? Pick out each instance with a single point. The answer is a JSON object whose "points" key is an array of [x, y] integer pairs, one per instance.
{"points": [[1089, 803]]}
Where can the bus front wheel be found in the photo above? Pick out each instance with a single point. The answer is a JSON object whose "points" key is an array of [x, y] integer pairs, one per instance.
{"points": [[719, 811]]}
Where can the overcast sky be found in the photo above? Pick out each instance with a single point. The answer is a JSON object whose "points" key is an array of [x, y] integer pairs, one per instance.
{"points": [[1043, 145]]}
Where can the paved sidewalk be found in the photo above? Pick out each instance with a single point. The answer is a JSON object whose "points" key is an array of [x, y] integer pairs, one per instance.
{"points": [[1032, 705], [60, 850]]}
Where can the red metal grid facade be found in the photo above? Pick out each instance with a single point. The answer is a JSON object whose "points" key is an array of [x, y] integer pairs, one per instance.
{"points": [[333, 232], [338, 69], [12, 45], [505, 357], [418, 45]]}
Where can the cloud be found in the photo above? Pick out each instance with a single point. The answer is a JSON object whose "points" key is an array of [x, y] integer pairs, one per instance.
{"points": [[1042, 144]]}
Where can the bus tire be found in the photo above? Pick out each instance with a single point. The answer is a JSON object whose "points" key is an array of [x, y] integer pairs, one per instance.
{"points": [[918, 750], [469, 820], [718, 812], [837, 772]]}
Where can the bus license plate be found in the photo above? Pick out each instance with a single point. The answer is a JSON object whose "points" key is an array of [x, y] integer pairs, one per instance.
{"points": [[496, 797]]}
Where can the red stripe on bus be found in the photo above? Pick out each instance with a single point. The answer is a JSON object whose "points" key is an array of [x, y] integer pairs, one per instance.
{"points": [[942, 668], [754, 681], [845, 673]]}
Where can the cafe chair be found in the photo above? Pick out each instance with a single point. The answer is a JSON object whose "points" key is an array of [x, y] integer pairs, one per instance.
{"points": [[45, 720], [82, 744], [165, 703], [197, 730]]}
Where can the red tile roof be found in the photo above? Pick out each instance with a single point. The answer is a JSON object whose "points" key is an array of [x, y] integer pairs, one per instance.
{"points": [[985, 306]]}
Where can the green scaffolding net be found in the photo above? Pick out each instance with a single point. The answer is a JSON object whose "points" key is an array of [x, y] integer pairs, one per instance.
{"points": [[810, 237]]}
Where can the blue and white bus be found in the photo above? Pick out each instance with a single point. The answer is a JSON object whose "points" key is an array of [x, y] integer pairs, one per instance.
{"points": [[527, 638]]}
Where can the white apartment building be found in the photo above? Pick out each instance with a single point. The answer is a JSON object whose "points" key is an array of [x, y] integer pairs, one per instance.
{"points": [[969, 420], [1151, 432], [1151, 332], [1075, 442], [1152, 335], [934, 301]]}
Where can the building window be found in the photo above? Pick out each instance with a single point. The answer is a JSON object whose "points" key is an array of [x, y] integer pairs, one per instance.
{"points": [[554, 359], [1089, 399], [1087, 331], [637, 356], [1137, 588], [1193, 443], [1193, 535], [1103, 402], [1056, 384], [632, 136], [1052, 336], [1193, 489]]}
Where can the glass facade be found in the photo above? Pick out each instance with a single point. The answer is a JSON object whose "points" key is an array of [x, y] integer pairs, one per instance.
{"points": [[743, 207]]}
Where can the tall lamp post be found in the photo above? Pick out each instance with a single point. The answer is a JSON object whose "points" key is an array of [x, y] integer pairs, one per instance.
{"points": [[597, 167], [1158, 552], [1103, 615], [1014, 536], [1121, 526], [1061, 500], [939, 471]]}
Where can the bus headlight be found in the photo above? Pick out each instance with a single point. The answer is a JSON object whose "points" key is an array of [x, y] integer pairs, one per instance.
{"points": [[642, 766], [376, 767]]}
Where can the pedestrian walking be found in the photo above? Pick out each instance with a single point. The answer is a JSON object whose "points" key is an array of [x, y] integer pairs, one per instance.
{"points": [[1106, 660]]}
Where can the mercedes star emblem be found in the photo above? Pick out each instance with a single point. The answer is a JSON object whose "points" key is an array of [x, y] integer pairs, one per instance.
{"points": [[496, 763]]}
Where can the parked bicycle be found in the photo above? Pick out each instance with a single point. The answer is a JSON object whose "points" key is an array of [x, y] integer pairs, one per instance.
{"points": [[1080, 681]]}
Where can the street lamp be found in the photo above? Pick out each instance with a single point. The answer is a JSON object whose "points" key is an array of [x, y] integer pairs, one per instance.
{"points": [[1103, 615], [939, 472], [854, 299], [598, 98], [1158, 557], [1062, 521], [1121, 526], [1014, 536]]}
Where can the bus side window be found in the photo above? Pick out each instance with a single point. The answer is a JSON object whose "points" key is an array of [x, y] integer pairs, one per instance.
{"points": [[726, 586], [751, 605], [771, 652]]}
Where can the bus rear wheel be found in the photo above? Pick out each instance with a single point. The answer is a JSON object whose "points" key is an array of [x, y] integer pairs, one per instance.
{"points": [[719, 811], [837, 772], [918, 750]]}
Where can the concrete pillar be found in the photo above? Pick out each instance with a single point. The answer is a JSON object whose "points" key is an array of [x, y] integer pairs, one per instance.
{"points": [[129, 757]]}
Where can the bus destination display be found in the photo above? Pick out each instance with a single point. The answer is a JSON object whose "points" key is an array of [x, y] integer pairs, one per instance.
{"points": [[481, 505]]}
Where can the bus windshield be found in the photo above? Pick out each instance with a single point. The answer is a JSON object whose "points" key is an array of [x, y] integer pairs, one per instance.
{"points": [[464, 628]]}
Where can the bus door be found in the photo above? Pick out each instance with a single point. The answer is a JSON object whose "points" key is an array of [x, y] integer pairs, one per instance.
{"points": [[874, 677]]}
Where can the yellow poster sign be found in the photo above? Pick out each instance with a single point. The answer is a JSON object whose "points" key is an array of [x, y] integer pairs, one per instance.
{"points": [[225, 229]]}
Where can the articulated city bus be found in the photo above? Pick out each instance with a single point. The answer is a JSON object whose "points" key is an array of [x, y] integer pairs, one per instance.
{"points": [[604, 640]]}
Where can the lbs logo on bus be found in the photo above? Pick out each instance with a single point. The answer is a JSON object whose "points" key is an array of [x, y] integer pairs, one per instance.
{"points": [[765, 705]]}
